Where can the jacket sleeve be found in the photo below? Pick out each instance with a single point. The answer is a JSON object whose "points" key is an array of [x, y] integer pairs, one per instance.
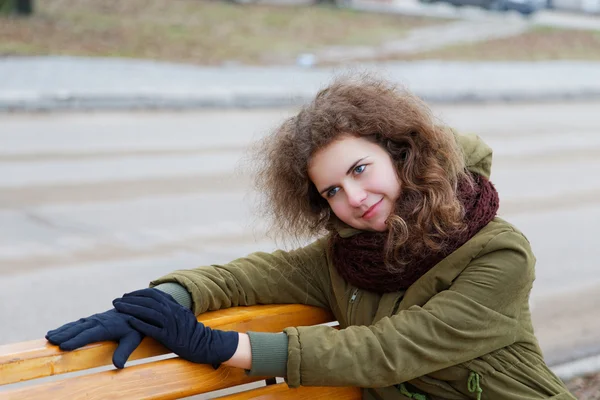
{"points": [[475, 316], [296, 277]]}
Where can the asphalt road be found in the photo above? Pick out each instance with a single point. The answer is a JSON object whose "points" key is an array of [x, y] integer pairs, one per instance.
{"points": [[94, 205]]}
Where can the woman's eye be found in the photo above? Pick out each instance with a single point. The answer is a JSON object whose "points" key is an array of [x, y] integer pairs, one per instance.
{"points": [[360, 169], [332, 192]]}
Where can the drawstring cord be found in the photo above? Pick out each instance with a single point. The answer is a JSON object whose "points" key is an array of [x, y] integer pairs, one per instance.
{"points": [[404, 391], [473, 384]]}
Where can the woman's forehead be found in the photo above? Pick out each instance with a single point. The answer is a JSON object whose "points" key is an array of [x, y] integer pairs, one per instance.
{"points": [[333, 160]]}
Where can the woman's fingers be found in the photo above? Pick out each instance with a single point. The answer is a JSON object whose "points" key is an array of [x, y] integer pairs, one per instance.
{"points": [[92, 334], [127, 345], [146, 329], [142, 309], [69, 331], [61, 328]]}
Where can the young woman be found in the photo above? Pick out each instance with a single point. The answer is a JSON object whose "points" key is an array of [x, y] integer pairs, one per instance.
{"points": [[430, 287]]}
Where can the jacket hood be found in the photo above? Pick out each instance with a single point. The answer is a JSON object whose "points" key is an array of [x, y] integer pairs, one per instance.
{"points": [[478, 155]]}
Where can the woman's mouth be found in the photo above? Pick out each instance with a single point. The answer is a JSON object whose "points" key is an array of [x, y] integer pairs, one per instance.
{"points": [[370, 213]]}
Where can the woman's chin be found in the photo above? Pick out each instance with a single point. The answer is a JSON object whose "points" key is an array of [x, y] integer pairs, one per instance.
{"points": [[378, 226]]}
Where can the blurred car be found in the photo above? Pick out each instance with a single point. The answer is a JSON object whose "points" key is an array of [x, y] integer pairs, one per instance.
{"points": [[584, 6], [525, 7]]}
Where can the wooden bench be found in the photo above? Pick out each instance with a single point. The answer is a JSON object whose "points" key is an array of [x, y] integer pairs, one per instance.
{"points": [[170, 378]]}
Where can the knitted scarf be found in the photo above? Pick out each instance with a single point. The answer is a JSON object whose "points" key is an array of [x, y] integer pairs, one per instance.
{"points": [[359, 259]]}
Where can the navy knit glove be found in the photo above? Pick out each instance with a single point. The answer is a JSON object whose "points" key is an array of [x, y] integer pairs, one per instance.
{"points": [[158, 315], [109, 325]]}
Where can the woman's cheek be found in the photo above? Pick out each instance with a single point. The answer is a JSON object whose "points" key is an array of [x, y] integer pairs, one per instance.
{"points": [[337, 208]]}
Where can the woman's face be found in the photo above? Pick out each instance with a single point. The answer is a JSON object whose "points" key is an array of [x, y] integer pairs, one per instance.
{"points": [[358, 180]]}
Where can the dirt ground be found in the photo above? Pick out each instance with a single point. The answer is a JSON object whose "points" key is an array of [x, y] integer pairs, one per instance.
{"points": [[209, 32], [215, 32], [586, 387], [539, 44]]}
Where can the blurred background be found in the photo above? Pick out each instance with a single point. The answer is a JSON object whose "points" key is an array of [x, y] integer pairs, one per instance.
{"points": [[123, 125]]}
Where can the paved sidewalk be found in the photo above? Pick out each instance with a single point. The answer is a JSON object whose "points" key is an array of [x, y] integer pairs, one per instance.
{"points": [[63, 83]]}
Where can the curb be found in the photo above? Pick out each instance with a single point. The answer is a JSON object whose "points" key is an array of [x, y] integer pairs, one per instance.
{"points": [[165, 101], [584, 366], [159, 101], [72, 83]]}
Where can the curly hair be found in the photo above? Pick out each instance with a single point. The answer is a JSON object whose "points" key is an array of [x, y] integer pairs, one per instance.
{"points": [[428, 161]]}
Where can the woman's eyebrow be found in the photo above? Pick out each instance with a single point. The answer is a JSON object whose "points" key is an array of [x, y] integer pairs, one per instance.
{"points": [[327, 189]]}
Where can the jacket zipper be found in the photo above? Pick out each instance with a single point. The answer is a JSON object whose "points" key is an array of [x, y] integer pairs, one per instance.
{"points": [[354, 294], [351, 308]]}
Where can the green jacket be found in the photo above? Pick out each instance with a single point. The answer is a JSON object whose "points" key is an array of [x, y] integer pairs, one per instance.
{"points": [[462, 331]]}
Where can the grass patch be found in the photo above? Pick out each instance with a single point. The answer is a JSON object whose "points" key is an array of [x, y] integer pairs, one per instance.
{"points": [[204, 32], [538, 44]]}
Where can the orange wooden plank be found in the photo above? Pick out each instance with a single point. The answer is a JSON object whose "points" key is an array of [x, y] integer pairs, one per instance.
{"points": [[38, 358], [160, 380], [283, 392]]}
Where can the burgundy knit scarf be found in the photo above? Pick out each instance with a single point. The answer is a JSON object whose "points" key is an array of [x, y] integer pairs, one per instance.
{"points": [[359, 259]]}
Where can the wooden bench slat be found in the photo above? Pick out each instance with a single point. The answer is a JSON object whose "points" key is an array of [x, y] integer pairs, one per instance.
{"points": [[281, 391], [160, 380], [38, 358]]}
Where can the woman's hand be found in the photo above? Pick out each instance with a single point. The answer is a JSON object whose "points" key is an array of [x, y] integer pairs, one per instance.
{"points": [[109, 325], [158, 315]]}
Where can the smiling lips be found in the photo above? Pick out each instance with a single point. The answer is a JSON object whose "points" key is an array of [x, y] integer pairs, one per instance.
{"points": [[372, 210]]}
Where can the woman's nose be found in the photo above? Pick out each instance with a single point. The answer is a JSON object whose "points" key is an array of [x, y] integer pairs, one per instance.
{"points": [[356, 195]]}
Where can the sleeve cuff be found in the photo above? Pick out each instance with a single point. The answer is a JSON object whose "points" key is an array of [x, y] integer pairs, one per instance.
{"points": [[179, 293], [269, 354]]}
